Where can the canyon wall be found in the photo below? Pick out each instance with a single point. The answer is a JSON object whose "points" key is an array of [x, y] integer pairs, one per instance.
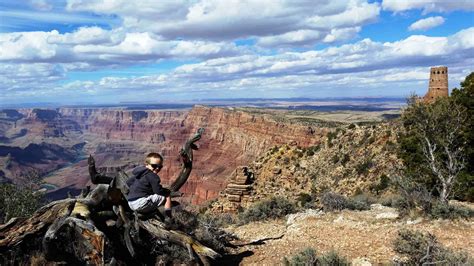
{"points": [[121, 137]]}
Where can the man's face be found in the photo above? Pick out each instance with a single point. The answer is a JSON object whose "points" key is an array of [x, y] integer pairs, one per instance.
{"points": [[155, 165]]}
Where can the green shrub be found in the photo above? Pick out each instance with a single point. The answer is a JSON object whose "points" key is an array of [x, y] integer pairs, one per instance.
{"points": [[384, 182], [345, 158], [351, 126], [447, 211], [332, 258], [430, 127], [415, 196], [273, 208], [464, 187], [217, 219], [331, 135], [274, 149], [304, 199], [310, 151], [308, 257], [364, 138], [361, 202], [390, 146], [424, 249], [335, 202], [166, 254], [363, 168], [205, 227], [18, 201], [391, 200]]}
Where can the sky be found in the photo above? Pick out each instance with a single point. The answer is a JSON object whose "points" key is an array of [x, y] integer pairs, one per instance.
{"points": [[106, 51]]}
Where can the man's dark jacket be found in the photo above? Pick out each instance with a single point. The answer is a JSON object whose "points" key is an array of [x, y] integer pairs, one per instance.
{"points": [[144, 183]]}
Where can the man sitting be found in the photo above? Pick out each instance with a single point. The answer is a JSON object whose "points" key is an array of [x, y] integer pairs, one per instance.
{"points": [[146, 193]]}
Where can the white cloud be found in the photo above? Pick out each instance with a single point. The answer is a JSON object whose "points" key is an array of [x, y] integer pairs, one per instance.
{"points": [[24, 46], [85, 35], [341, 34], [428, 5], [41, 5], [95, 46], [365, 55], [363, 65], [17, 80], [299, 37], [205, 31], [275, 21], [426, 23]]}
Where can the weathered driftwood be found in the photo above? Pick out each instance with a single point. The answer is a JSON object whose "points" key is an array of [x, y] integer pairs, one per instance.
{"points": [[98, 226]]}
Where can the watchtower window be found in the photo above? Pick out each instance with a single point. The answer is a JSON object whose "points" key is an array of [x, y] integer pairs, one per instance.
{"points": [[442, 72], [438, 72]]}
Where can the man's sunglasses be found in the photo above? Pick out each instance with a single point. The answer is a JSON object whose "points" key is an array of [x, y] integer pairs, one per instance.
{"points": [[156, 166]]}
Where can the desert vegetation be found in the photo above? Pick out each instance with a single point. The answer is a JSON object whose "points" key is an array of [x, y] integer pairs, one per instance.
{"points": [[309, 257], [21, 199], [275, 207], [436, 149], [418, 248], [18, 201]]}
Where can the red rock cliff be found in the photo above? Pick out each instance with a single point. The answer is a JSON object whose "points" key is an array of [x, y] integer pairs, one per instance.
{"points": [[232, 138]]}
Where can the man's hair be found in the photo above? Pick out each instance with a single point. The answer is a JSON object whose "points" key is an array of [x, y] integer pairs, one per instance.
{"points": [[153, 155]]}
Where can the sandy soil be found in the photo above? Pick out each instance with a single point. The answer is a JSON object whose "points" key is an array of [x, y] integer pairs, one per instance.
{"points": [[364, 234]]}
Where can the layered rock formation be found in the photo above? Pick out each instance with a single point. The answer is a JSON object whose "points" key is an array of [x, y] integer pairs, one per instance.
{"points": [[47, 123], [235, 138], [122, 137], [351, 160], [35, 159], [239, 189]]}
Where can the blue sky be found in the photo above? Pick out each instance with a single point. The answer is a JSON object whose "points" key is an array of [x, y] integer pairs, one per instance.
{"points": [[98, 51]]}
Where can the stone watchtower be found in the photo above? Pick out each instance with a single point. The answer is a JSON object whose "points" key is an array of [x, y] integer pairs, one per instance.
{"points": [[438, 84]]}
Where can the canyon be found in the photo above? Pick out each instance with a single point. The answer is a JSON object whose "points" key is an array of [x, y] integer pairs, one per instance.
{"points": [[119, 139]]}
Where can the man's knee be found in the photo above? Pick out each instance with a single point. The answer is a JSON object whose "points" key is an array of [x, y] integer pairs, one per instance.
{"points": [[157, 199]]}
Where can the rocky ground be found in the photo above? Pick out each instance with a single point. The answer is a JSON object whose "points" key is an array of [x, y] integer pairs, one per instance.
{"points": [[350, 160], [360, 236]]}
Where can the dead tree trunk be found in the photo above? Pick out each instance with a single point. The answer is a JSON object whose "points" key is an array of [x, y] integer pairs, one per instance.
{"points": [[98, 227], [187, 159]]}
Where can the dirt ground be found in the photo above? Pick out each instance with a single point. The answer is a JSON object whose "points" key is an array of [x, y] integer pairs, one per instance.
{"points": [[366, 235]]}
